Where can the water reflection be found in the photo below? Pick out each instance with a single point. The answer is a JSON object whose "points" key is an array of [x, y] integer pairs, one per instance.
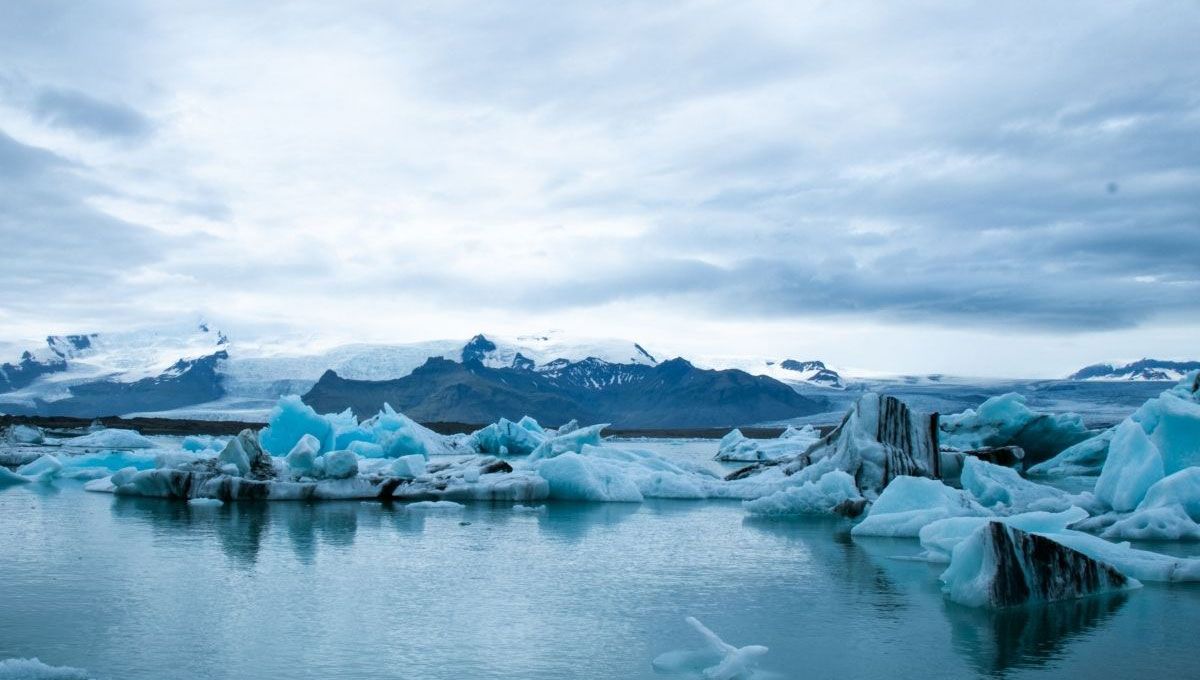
{"points": [[993, 641]]}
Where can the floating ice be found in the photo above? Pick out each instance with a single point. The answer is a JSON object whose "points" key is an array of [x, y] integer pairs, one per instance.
{"points": [[198, 443], [1005, 420], [1002, 566], [1164, 523], [718, 660], [303, 456], [110, 439], [1004, 490], [33, 669], [290, 420], [572, 442], [1181, 488], [205, 502], [506, 437], [834, 493], [939, 538], [435, 505], [735, 446], [1170, 420], [878, 440], [409, 467], [26, 434], [45, 468], [909, 503], [341, 464], [1133, 466]]}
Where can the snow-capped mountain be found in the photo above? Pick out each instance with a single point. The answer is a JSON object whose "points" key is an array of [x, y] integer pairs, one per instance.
{"points": [[790, 371], [1146, 370], [197, 371]]}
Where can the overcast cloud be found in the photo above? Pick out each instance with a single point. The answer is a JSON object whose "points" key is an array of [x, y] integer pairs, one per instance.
{"points": [[898, 187]]}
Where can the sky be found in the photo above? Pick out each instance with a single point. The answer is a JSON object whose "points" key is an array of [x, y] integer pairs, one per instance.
{"points": [[974, 188]]}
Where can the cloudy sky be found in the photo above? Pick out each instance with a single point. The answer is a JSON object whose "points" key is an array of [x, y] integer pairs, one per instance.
{"points": [[980, 188]]}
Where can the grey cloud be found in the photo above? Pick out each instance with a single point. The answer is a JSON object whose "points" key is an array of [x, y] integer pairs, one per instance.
{"points": [[80, 112]]}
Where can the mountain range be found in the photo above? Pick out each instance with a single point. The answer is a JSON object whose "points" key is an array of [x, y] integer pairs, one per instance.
{"points": [[1145, 369], [199, 372]]}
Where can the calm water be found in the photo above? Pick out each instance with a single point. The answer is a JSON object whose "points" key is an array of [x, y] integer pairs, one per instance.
{"points": [[137, 588]]}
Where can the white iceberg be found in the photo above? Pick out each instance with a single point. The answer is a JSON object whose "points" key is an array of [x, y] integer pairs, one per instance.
{"points": [[834, 493], [110, 439], [909, 503], [1161, 523], [736, 447], [1004, 490]]}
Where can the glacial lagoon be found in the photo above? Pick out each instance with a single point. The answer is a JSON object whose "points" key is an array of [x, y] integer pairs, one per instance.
{"points": [[132, 588]]}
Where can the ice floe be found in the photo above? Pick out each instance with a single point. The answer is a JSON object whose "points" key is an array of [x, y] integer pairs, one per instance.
{"points": [[999, 565], [1005, 420], [717, 660]]}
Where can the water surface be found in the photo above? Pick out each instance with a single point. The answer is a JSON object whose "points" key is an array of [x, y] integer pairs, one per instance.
{"points": [[147, 588]]}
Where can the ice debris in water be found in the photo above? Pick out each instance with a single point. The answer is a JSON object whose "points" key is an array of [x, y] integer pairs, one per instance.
{"points": [[999, 565], [435, 505], [34, 669], [111, 439], [736, 447], [205, 502], [1005, 420], [717, 660], [1166, 523]]}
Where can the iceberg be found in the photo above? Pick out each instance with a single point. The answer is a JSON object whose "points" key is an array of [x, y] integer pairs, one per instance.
{"points": [[341, 464], [409, 467], [570, 442], [1162, 523], [387, 434], [880, 439], [1170, 420], [1132, 467], [110, 439], [44, 469], [909, 503], [1180, 489], [1002, 566], [834, 493], [939, 538], [25, 434], [1004, 490], [505, 437], [302, 459], [718, 660], [1005, 420], [736, 447]]}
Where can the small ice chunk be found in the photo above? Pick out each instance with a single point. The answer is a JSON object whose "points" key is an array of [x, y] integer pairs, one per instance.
{"points": [[111, 439], [365, 449], [45, 468], [206, 502], [939, 538], [528, 508], [303, 455], [718, 660], [409, 467], [341, 464], [123, 476], [434, 505], [234, 454]]}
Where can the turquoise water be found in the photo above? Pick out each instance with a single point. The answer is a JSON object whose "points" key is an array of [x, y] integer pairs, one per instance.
{"points": [[143, 588]]}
